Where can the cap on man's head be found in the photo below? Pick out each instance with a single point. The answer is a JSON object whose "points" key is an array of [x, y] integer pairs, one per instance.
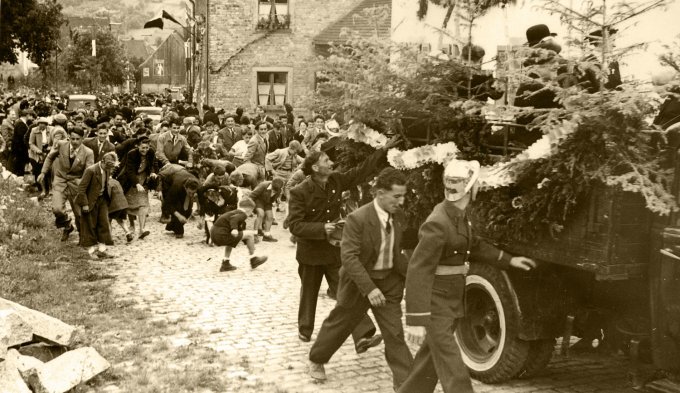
{"points": [[60, 118], [42, 120]]}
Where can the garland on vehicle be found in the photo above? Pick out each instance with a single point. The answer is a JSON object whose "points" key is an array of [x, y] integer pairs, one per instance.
{"points": [[589, 141]]}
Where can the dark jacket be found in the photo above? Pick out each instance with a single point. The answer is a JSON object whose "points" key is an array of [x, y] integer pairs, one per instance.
{"points": [[93, 144], [19, 147], [445, 238], [277, 141], [129, 176], [90, 187], [228, 193], [227, 139], [361, 240], [312, 206]]}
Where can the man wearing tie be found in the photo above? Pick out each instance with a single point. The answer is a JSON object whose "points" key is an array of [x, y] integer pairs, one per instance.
{"points": [[93, 198], [372, 276], [100, 144], [70, 159], [173, 147], [230, 134], [277, 138]]}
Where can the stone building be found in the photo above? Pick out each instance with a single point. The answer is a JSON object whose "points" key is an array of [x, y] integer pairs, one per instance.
{"points": [[256, 61]]}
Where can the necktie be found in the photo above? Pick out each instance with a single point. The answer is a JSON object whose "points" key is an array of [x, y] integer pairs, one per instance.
{"points": [[387, 253]]}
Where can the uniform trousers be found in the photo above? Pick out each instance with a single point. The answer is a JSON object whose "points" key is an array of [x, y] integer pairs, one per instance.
{"points": [[311, 276], [439, 359], [348, 314]]}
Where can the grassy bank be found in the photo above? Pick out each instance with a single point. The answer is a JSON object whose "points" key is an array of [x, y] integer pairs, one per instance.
{"points": [[147, 354]]}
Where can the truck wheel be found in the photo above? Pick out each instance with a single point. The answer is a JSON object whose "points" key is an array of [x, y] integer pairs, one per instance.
{"points": [[488, 334], [540, 353]]}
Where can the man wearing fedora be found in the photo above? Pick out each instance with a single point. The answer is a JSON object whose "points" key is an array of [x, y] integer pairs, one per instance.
{"points": [[435, 283]]}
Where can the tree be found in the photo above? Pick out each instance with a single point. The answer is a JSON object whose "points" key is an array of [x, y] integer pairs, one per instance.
{"points": [[31, 26], [107, 67]]}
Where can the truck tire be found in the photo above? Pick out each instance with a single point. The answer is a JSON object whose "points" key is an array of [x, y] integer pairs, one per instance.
{"points": [[540, 353], [488, 334]]}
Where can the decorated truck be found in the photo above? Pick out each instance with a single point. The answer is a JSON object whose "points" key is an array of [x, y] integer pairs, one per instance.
{"points": [[578, 173]]}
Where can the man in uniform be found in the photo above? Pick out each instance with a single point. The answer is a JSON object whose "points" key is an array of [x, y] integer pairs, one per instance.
{"points": [[435, 284], [313, 213]]}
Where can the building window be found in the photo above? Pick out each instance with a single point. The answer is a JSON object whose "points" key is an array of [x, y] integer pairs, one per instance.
{"points": [[272, 88], [281, 14]]}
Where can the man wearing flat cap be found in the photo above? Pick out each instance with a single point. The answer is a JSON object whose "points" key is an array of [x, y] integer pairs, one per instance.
{"points": [[435, 283], [70, 158]]}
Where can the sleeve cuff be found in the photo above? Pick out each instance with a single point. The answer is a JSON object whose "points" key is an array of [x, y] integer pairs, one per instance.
{"points": [[504, 258], [418, 319]]}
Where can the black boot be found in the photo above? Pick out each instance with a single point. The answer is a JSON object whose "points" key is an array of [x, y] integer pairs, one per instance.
{"points": [[227, 266]]}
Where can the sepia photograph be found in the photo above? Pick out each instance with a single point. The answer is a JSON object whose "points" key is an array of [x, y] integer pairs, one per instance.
{"points": [[339, 196]]}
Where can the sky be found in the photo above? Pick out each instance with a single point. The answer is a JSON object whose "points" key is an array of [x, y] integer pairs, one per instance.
{"points": [[658, 27]]}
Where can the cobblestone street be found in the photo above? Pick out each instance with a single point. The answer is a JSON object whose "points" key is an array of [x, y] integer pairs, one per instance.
{"points": [[253, 313]]}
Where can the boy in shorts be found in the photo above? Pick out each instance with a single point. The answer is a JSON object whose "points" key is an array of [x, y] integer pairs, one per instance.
{"points": [[230, 229]]}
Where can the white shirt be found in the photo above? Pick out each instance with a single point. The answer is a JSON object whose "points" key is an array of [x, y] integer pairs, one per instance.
{"points": [[383, 217], [240, 148]]}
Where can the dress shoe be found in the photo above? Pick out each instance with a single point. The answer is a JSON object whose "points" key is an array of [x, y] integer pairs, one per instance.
{"points": [[303, 338], [66, 232], [144, 234], [257, 261], [227, 266], [269, 239], [317, 371], [368, 342], [129, 237]]}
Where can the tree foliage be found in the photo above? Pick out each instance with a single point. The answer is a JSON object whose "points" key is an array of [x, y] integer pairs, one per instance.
{"points": [[394, 89], [31, 26], [107, 68]]}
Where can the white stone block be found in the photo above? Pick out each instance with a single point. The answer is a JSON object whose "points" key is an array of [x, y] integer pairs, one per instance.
{"points": [[66, 371], [43, 326]]}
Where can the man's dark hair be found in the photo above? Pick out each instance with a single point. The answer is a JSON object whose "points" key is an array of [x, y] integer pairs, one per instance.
{"points": [[191, 184], [311, 159], [321, 135], [102, 126], [261, 123], [176, 122], [278, 125], [208, 124], [319, 117], [143, 139], [389, 177], [277, 183]]}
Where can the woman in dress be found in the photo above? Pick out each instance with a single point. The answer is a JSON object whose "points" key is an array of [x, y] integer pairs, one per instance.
{"points": [[135, 178]]}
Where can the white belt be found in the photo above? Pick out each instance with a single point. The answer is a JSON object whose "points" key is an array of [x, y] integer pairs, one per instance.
{"points": [[446, 270]]}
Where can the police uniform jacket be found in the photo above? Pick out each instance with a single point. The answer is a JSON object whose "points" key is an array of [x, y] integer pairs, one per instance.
{"points": [[311, 207], [445, 238]]}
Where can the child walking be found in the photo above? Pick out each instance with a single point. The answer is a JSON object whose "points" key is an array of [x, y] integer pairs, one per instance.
{"points": [[230, 229]]}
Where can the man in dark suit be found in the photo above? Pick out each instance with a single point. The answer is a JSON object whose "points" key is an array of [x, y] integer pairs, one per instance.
{"points": [[314, 209], [93, 198], [277, 138], [20, 142], [230, 134], [435, 284], [70, 159], [372, 276], [100, 144]]}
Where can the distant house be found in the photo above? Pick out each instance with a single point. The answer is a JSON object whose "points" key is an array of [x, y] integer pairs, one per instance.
{"points": [[166, 67]]}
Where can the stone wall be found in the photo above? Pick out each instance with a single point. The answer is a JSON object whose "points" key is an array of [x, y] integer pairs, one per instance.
{"points": [[234, 38]]}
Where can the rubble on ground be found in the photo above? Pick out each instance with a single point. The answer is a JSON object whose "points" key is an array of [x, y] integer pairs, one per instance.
{"points": [[36, 354]]}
